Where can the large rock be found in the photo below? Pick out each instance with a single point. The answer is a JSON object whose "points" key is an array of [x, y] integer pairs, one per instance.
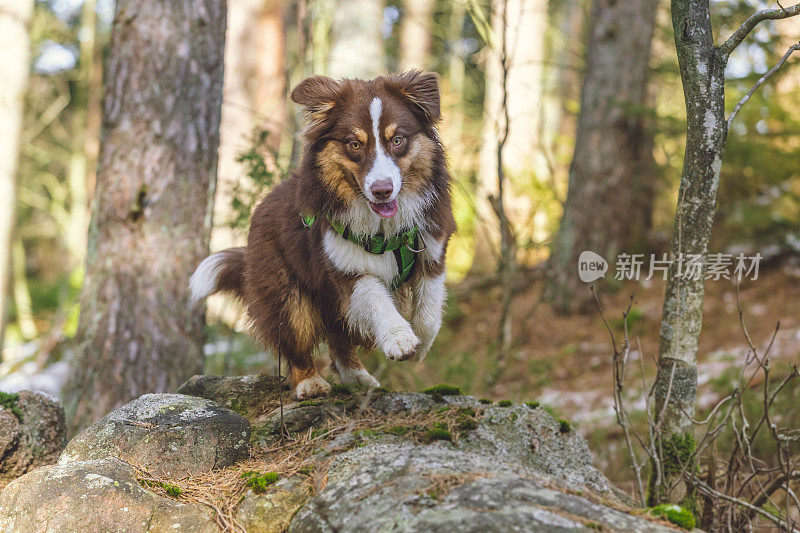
{"points": [[405, 487], [272, 511], [170, 434], [250, 396], [353, 462], [99, 495], [516, 469], [32, 433]]}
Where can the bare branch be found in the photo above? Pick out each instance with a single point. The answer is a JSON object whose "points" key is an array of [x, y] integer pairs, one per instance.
{"points": [[761, 81], [755, 19]]}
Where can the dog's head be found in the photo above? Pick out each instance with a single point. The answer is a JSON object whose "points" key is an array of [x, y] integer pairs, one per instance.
{"points": [[373, 140]]}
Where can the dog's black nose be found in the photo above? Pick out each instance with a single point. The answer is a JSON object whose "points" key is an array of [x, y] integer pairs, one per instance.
{"points": [[382, 189]]}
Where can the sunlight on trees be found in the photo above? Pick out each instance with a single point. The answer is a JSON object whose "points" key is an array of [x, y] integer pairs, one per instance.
{"points": [[614, 127]]}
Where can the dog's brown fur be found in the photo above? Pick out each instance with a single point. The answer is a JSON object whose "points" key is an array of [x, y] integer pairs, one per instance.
{"points": [[294, 293]]}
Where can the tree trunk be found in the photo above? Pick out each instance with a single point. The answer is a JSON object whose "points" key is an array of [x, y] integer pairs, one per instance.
{"points": [[151, 216], [609, 201], [524, 35], [15, 15], [415, 34], [702, 67], [357, 43]]}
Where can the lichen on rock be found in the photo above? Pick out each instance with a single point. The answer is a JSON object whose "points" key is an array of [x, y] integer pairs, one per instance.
{"points": [[355, 460], [173, 434], [97, 495], [32, 433]]}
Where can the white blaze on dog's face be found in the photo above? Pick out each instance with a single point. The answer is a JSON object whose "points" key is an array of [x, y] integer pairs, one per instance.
{"points": [[374, 141], [383, 180]]}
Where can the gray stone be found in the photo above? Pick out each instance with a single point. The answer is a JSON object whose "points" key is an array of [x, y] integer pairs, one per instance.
{"points": [[98, 495], [250, 396], [169, 434], [272, 511], [34, 438], [507, 468], [516, 435], [438, 488]]}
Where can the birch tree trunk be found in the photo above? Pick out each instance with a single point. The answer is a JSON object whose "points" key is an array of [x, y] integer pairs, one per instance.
{"points": [[15, 16], [702, 67], [356, 41], [151, 215], [415, 34], [609, 201]]}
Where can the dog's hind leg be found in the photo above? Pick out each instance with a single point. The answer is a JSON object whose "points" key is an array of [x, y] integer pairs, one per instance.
{"points": [[289, 323], [304, 329], [345, 361]]}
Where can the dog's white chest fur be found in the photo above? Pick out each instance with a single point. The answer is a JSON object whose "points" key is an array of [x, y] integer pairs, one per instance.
{"points": [[350, 258]]}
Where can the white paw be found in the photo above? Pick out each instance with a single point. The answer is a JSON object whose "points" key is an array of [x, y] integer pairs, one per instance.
{"points": [[358, 376], [310, 387], [401, 344]]}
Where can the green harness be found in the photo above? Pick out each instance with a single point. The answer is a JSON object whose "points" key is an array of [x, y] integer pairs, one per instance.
{"points": [[404, 245]]}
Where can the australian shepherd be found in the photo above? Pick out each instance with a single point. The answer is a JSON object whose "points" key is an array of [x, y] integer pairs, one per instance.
{"points": [[351, 248]]}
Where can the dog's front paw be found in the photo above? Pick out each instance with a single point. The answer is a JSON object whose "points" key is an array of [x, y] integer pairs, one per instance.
{"points": [[358, 376], [310, 387], [401, 345]]}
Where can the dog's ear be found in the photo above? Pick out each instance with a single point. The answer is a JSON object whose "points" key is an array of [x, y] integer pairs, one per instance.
{"points": [[317, 95], [421, 89]]}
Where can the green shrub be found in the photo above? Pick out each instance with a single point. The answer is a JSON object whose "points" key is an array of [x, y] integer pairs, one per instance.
{"points": [[485, 401], [505, 403], [564, 426], [532, 405]]}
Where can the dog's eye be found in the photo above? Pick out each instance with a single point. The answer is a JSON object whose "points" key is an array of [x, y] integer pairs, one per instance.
{"points": [[397, 140], [354, 145]]}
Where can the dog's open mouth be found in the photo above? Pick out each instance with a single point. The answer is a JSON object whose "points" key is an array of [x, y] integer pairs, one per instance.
{"points": [[385, 209]]}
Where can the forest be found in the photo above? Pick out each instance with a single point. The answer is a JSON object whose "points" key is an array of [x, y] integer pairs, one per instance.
{"points": [[625, 183]]}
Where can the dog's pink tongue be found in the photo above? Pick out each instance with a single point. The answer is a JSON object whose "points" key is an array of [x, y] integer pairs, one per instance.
{"points": [[386, 210]]}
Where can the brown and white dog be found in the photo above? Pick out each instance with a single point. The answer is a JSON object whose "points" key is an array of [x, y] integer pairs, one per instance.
{"points": [[373, 168]]}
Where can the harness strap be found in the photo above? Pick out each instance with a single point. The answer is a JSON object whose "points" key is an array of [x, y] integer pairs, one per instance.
{"points": [[404, 245]]}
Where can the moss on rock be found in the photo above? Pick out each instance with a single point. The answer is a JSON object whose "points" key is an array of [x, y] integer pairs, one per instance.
{"points": [[680, 516], [10, 402]]}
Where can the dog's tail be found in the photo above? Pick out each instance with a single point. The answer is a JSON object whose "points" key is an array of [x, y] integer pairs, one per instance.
{"points": [[219, 272]]}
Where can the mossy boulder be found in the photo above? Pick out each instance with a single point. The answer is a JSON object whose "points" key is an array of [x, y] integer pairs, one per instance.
{"points": [[439, 488], [97, 495], [272, 511], [172, 434], [351, 461], [32, 433], [249, 396]]}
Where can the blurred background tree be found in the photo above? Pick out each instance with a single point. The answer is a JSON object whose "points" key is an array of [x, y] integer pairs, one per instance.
{"points": [[151, 218], [612, 175], [591, 99], [15, 43]]}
